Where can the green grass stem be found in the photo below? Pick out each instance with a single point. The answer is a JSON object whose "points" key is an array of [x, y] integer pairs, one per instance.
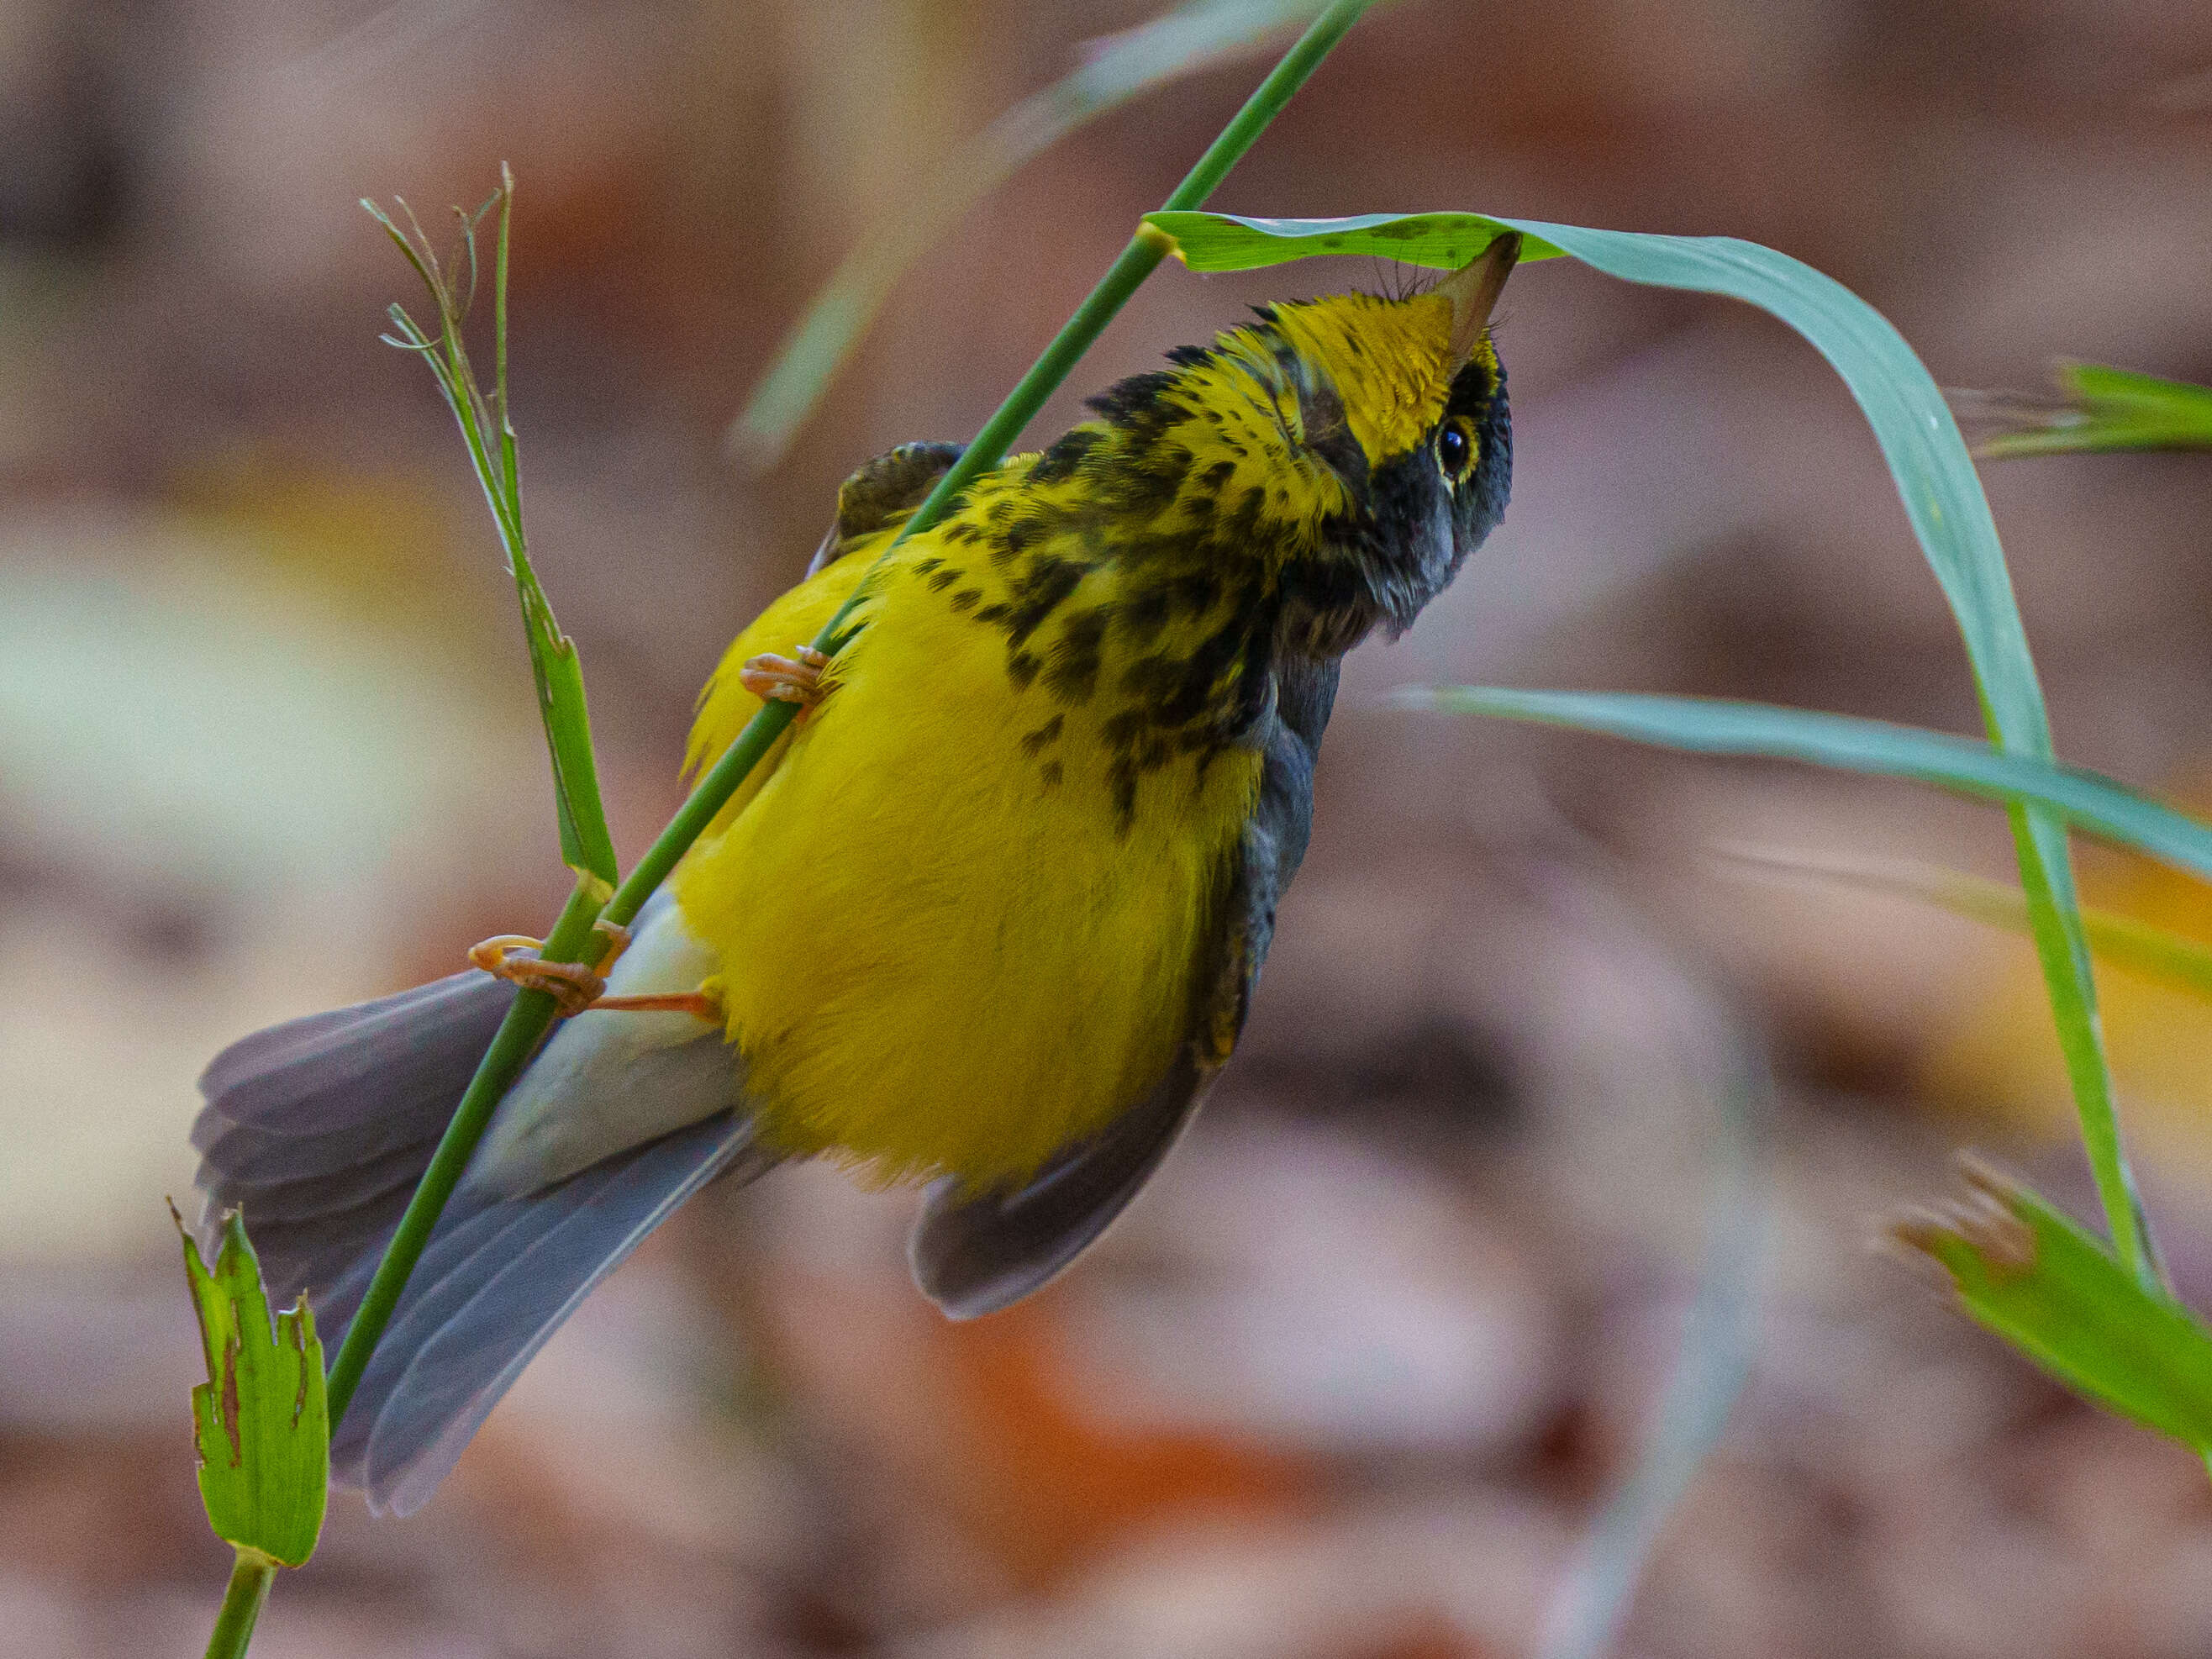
{"points": [[241, 1604], [516, 1040], [1186, 39], [1136, 261]]}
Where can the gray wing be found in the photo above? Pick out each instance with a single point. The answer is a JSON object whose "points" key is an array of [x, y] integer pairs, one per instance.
{"points": [[320, 1130], [974, 1253], [499, 1278], [895, 482]]}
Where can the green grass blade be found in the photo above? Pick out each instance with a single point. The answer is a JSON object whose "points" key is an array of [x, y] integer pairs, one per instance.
{"points": [[580, 813], [2029, 1274], [2100, 409], [259, 1422], [2117, 941], [1942, 497], [585, 846], [1710, 726], [1115, 71]]}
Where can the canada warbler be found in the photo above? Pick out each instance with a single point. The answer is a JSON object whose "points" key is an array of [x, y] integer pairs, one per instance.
{"points": [[990, 913]]}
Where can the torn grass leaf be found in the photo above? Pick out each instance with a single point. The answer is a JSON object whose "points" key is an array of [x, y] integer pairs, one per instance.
{"points": [[259, 1421]]}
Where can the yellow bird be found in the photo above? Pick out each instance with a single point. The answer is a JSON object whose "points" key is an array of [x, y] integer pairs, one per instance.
{"points": [[990, 913]]}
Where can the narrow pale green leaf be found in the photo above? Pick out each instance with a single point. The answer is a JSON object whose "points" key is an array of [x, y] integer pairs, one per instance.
{"points": [[1114, 70], [1942, 497], [2119, 941], [2056, 1293], [2100, 408], [1712, 725], [1928, 459], [423, 260], [259, 1421]]}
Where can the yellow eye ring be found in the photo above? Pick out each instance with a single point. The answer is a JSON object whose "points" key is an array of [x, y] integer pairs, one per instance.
{"points": [[1456, 448]]}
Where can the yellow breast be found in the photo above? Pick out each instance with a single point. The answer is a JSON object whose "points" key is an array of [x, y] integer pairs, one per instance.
{"points": [[960, 917]]}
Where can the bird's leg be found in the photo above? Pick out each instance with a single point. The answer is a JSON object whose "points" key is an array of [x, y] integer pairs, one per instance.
{"points": [[705, 1003], [577, 989], [787, 679]]}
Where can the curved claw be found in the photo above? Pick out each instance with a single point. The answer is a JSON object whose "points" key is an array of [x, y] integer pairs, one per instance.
{"points": [[573, 987], [795, 679]]}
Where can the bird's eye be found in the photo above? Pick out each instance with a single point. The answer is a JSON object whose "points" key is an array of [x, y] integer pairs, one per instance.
{"points": [[1453, 450]]}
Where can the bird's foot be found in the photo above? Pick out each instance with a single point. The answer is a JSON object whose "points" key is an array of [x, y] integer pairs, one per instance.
{"points": [[576, 989], [787, 679], [573, 986]]}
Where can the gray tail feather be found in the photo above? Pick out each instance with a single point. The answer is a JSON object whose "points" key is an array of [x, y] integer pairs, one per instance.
{"points": [[497, 1279], [320, 1130]]}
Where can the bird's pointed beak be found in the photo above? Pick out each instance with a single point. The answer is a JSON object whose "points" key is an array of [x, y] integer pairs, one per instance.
{"points": [[1474, 290]]}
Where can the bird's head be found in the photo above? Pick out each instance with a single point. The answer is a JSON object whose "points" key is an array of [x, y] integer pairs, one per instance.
{"points": [[1356, 448], [1402, 419]]}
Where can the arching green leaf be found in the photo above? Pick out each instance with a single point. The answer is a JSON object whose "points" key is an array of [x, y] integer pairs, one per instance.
{"points": [[1942, 497]]}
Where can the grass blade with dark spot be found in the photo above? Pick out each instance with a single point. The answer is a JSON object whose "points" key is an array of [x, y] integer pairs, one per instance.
{"points": [[2058, 1295], [259, 1421]]}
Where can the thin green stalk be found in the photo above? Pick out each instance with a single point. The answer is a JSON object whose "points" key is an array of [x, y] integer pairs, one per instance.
{"points": [[1265, 104], [1185, 40], [1136, 261], [241, 1604], [572, 938], [517, 1039], [2062, 948], [508, 475]]}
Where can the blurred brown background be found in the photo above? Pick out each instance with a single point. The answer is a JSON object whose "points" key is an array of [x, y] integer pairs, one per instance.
{"points": [[1350, 1383]]}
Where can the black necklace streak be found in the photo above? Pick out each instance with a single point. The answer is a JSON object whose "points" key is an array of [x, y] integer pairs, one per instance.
{"points": [[1171, 698], [1174, 633]]}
